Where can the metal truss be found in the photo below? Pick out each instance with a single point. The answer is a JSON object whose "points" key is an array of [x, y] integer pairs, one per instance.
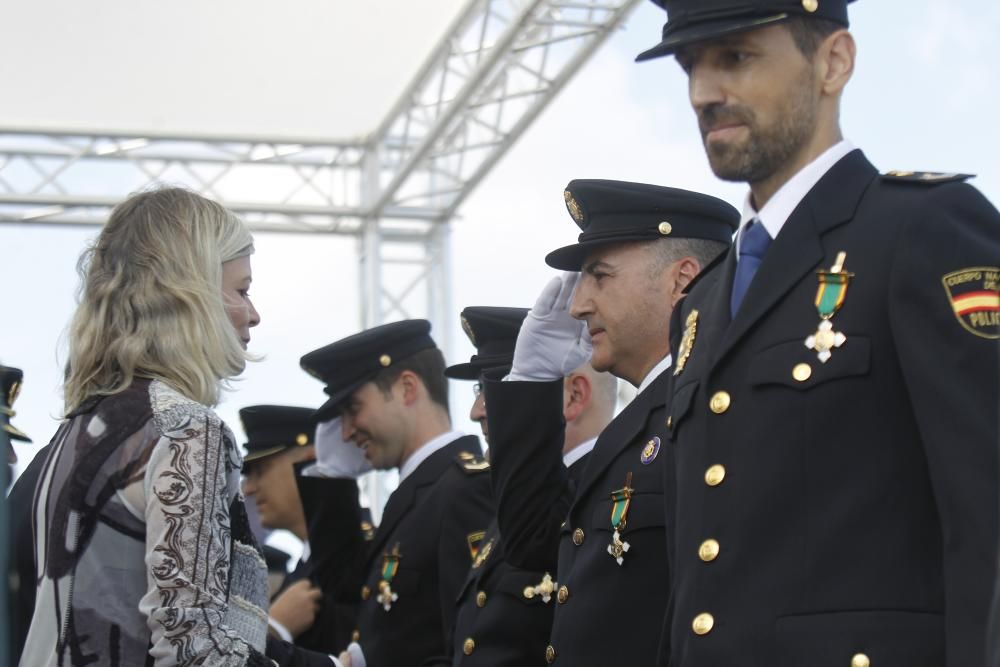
{"points": [[497, 67]]}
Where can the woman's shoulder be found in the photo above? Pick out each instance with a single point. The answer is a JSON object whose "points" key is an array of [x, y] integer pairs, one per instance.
{"points": [[174, 412]]}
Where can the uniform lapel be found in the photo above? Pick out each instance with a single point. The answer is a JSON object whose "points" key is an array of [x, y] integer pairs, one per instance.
{"points": [[403, 498], [621, 432], [797, 250]]}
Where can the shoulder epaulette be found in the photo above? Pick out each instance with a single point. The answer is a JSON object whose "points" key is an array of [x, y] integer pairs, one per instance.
{"points": [[924, 177], [471, 464]]}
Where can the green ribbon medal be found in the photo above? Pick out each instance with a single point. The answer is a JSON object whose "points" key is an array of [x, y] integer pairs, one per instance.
{"points": [[621, 499], [390, 565], [829, 298]]}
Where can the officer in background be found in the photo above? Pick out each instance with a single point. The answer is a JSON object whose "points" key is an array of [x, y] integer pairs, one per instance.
{"points": [[640, 246], [505, 612], [834, 405], [279, 444], [19, 559], [388, 386]]}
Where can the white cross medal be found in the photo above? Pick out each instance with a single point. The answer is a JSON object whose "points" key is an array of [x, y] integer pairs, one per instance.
{"points": [[621, 500], [829, 297]]}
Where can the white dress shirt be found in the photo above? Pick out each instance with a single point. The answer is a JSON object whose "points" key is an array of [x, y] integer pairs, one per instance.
{"points": [[421, 454], [578, 452]]}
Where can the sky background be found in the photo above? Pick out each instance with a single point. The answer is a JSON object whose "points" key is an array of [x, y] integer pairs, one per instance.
{"points": [[924, 97]]}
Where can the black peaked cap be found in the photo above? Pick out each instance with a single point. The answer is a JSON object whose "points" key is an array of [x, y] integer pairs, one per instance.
{"points": [[10, 386], [618, 211], [493, 330], [272, 429], [350, 362], [690, 21]]}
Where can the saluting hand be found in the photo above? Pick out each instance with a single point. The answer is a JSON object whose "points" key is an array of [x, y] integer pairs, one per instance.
{"points": [[336, 457], [551, 344]]}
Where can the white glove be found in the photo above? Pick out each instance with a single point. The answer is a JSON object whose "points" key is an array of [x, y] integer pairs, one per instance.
{"points": [[551, 343], [334, 456]]}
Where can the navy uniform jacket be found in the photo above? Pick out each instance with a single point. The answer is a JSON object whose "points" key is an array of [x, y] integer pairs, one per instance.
{"points": [[851, 505], [434, 520], [501, 620], [606, 613], [335, 537]]}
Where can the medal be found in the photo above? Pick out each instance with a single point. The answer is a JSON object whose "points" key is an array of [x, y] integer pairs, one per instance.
{"points": [[829, 298], [621, 500], [687, 342], [386, 596]]}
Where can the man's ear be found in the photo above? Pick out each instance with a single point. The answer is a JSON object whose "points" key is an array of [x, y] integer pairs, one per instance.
{"points": [[409, 385], [835, 62], [685, 270], [578, 392]]}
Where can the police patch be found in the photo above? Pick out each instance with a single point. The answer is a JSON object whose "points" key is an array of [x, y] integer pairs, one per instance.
{"points": [[975, 298], [474, 541]]}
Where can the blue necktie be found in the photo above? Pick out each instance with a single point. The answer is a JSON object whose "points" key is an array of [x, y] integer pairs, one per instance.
{"points": [[753, 245]]}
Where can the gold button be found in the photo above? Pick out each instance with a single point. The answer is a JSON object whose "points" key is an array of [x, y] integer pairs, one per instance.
{"points": [[365, 592], [528, 592], [550, 654], [665, 228], [810, 5], [702, 624], [720, 402], [578, 536], [385, 360], [563, 594], [708, 551], [356, 636], [860, 660], [481, 599], [802, 372], [301, 439], [469, 646], [715, 474]]}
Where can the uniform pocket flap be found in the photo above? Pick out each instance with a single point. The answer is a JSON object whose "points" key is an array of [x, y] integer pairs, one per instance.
{"points": [[792, 364], [914, 639]]}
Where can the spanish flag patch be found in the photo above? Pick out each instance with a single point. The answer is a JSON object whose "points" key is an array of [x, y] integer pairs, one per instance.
{"points": [[975, 298]]}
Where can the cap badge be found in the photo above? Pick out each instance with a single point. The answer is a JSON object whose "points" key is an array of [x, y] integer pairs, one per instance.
{"points": [[650, 451], [810, 5], [467, 328], [572, 206], [975, 299], [829, 298], [15, 389], [301, 439], [687, 342], [665, 228], [621, 500], [390, 565], [385, 360]]}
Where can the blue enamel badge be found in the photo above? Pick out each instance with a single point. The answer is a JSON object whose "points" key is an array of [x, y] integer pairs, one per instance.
{"points": [[650, 451]]}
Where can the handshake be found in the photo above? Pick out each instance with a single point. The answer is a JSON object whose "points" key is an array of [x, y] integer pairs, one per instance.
{"points": [[551, 344]]}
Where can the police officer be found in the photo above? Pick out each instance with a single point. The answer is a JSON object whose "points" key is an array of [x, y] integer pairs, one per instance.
{"points": [[640, 246], [20, 543], [388, 386], [834, 405], [505, 612], [279, 445]]}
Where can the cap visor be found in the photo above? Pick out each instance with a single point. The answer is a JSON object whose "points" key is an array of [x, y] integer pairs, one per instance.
{"points": [[462, 372], [709, 30], [16, 433]]}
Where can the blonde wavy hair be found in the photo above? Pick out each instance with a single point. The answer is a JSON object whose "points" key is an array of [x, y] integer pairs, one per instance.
{"points": [[151, 303]]}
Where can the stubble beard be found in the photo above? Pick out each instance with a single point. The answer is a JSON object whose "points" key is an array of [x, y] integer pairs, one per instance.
{"points": [[766, 149]]}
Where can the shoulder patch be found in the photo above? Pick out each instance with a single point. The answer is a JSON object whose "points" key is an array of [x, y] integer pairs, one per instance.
{"points": [[924, 177], [471, 464], [974, 293]]}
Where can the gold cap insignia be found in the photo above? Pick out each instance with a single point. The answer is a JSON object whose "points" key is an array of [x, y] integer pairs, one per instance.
{"points": [[467, 328], [665, 228], [810, 5], [573, 208], [385, 360], [15, 389], [301, 439]]}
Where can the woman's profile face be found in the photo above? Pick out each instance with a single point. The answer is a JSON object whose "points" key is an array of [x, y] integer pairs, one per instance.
{"points": [[236, 279]]}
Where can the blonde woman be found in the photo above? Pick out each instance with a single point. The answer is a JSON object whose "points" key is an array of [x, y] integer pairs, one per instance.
{"points": [[142, 547]]}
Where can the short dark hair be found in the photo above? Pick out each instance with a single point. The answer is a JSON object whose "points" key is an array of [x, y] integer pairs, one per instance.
{"points": [[428, 365], [808, 33]]}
